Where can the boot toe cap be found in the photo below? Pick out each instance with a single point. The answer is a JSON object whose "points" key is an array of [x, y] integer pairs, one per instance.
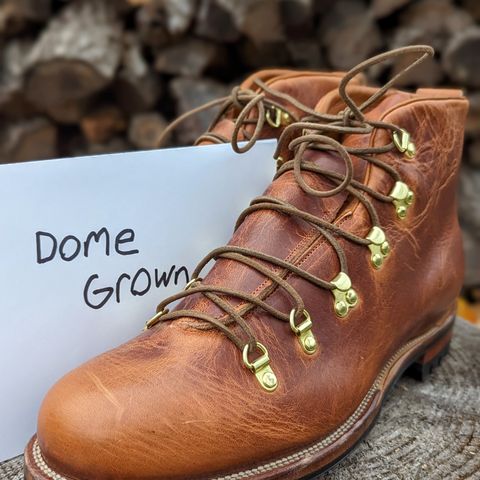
{"points": [[77, 421]]}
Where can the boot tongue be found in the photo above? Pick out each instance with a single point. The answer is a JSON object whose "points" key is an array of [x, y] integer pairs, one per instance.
{"points": [[333, 103], [279, 235]]}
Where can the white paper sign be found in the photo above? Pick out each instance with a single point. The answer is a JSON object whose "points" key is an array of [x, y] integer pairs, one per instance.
{"points": [[67, 294]]}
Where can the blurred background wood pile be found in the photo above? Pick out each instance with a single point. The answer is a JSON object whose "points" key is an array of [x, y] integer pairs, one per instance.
{"points": [[97, 76]]}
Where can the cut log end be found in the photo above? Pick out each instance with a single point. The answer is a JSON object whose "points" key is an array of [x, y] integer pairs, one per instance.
{"points": [[54, 82], [102, 124], [33, 139], [461, 58], [145, 130]]}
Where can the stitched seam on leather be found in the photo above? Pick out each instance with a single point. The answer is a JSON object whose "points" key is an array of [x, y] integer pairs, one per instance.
{"points": [[42, 465], [318, 243], [299, 250], [315, 239], [245, 308], [312, 240], [315, 448]]}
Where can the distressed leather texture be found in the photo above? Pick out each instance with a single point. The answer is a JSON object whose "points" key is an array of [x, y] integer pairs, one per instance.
{"points": [[176, 402]]}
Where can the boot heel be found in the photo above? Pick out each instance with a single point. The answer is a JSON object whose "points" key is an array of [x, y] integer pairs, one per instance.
{"points": [[432, 357]]}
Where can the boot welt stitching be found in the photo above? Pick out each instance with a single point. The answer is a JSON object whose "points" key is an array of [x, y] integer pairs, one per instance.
{"points": [[42, 465], [285, 461]]}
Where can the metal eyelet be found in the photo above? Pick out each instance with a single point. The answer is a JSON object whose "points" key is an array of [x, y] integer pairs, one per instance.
{"points": [[279, 161], [345, 297], [304, 333], [401, 139], [155, 319], [192, 283], [379, 246], [402, 198], [276, 117], [261, 368]]}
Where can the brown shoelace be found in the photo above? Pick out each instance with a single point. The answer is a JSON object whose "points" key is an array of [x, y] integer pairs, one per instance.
{"points": [[313, 134], [244, 102]]}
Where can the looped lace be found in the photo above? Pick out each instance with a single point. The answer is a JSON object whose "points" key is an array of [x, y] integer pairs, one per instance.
{"points": [[423, 52], [243, 101], [317, 135]]}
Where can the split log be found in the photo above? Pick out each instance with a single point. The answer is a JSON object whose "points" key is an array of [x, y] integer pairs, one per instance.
{"points": [[215, 22], [469, 199], [306, 54], [384, 8], [180, 15], [473, 8], [16, 15], [461, 57], [297, 18], [69, 112], [474, 158], [430, 22], [472, 127], [136, 87], [190, 93], [264, 55], [260, 21], [191, 57], [32, 139], [113, 145], [158, 21], [123, 7], [151, 25], [469, 213], [77, 54], [13, 103], [349, 34], [436, 18], [103, 123], [471, 277], [145, 130]]}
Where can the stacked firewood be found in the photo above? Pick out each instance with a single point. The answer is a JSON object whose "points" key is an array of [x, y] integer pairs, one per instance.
{"points": [[96, 76]]}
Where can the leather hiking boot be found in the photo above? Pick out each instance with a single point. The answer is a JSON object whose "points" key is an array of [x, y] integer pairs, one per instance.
{"points": [[262, 106], [341, 277]]}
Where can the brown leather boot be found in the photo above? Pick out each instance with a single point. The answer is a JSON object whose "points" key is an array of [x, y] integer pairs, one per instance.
{"points": [[341, 277], [262, 106]]}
